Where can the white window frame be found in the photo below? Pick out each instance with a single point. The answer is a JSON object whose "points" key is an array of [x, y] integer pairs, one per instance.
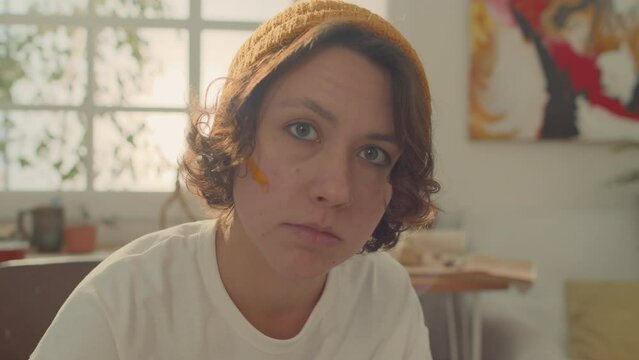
{"points": [[143, 205]]}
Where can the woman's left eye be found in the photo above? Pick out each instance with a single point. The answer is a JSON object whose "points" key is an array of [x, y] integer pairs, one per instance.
{"points": [[375, 155], [303, 131]]}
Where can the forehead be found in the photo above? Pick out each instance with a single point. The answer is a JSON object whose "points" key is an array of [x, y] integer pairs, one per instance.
{"points": [[341, 80]]}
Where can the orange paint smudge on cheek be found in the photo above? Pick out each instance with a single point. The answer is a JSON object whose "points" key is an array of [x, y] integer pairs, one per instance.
{"points": [[257, 174]]}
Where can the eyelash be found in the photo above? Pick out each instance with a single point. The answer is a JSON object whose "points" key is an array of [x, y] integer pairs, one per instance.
{"points": [[295, 126], [386, 158]]}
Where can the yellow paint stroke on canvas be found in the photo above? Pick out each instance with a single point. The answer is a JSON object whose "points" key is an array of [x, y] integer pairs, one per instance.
{"points": [[483, 58], [257, 174]]}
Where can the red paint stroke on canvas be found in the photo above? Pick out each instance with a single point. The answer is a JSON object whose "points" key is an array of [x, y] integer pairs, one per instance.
{"points": [[585, 77]]}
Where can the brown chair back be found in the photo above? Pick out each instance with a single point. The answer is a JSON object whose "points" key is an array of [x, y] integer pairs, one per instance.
{"points": [[31, 293]]}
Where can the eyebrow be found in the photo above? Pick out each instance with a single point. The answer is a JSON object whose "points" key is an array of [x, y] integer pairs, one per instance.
{"points": [[389, 138], [326, 114], [313, 106]]}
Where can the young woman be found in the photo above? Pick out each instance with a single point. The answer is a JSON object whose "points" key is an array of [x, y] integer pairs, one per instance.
{"points": [[317, 154]]}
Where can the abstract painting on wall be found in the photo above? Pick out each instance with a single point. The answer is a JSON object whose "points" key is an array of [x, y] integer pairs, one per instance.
{"points": [[554, 69]]}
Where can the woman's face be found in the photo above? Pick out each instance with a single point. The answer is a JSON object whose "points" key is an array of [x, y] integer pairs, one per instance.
{"points": [[324, 149]]}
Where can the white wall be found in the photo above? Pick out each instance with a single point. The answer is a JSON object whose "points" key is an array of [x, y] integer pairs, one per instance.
{"points": [[547, 202]]}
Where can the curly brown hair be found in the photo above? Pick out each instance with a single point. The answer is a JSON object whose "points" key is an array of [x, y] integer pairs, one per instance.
{"points": [[215, 151]]}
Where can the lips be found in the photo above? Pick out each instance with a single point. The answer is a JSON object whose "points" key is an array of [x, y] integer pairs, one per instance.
{"points": [[314, 235]]}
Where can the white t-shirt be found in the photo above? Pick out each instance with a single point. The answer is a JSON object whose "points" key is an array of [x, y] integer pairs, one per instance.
{"points": [[161, 297]]}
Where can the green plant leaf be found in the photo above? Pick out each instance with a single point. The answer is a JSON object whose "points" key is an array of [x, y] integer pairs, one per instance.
{"points": [[29, 40], [73, 172], [42, 149], [56, 75], [24, 162], [12, 71], [129, 165], [5, 95], [627, 178], [7, 123], [57, 165], [625, 145]]}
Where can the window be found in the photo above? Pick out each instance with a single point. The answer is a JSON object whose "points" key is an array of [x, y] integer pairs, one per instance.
{"points": [[93, 93]]}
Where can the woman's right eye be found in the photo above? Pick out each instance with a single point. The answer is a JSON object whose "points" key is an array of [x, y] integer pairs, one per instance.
{"points": [[303, 131]]}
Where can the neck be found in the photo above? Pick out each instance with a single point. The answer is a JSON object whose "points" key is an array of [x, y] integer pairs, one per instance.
{"points": [[273, 303]]}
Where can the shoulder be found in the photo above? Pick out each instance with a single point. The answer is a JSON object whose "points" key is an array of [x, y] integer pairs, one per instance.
{"points": [[174, 238], [163, 238], [377, 272], [376, 293], [379, 266], [150, 259], [134, 287]]}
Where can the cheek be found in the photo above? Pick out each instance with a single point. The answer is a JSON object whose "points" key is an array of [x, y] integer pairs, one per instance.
{"points": [[269, 184], [253, 186], [247, 194], [257, 174], [375, 187], [372, 201]]}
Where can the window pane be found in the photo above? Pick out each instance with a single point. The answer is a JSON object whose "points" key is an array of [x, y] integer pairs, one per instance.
{"points": [[43, 150], [218, 49], [45, 65], [143, 67], [242, 10], [137, 151], [153, 9], [44, 7]]}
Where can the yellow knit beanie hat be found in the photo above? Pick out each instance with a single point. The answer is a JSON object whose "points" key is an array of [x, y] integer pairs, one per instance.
{"points": [[296, 25]]}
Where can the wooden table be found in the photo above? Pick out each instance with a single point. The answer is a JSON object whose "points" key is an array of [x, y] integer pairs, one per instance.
{"points": [[457, 282], [468, 278]]}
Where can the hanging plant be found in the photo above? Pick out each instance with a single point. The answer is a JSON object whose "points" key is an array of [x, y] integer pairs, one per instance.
{"points": [[631, 176]]}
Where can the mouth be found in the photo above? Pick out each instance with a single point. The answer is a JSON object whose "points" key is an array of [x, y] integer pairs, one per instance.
{"points": [[314, 235]]}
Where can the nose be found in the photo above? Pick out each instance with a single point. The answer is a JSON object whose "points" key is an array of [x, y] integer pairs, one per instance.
{"points": [[332, 187]]}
